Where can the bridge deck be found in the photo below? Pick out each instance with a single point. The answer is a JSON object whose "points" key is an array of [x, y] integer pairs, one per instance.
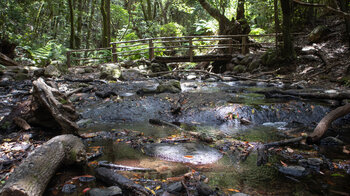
{"points": [[201, 58]]}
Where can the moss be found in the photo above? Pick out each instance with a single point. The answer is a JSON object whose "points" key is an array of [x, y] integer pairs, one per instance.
{"points": [[63, 101]]}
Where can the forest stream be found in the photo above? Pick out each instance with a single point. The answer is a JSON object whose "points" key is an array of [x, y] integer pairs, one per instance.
{"points": [[117, 130]]}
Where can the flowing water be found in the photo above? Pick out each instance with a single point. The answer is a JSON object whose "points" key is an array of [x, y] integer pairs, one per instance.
{"points": [[225, 169]]}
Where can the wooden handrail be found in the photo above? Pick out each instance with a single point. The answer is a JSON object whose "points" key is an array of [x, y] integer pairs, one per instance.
{"points": [[168, 45]]}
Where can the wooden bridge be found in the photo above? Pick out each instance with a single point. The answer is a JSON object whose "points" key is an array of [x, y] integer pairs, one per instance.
{"points": [[173, 49]]}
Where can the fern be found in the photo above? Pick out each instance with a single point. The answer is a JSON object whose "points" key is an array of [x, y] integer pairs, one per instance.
{"points": [[50, 52]]}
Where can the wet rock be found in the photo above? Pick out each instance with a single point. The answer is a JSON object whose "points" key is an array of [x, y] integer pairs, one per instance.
{"points": [[230, 66], [79, 70], [128, 63], [211, 80], [254, 64], [171, 86], [240, 56], [105, 94], [235, 60], [69, 188], [299, 85], [296, 171], [309, 57], [203, 189], [191, 77], [89, 70], [239, 68], [158, 67], [110, 191], [194, 153], [331, 141], [131, 74], [246, 60], [318, 33], [38, 72], [239, 194], [315, 161], [87, 178], [175, 188], [21, 76], [52, 71], [110, 71]]}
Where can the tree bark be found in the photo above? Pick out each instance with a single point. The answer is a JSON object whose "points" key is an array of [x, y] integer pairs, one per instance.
{"points": [[226, 27], [104, 24], [88, 37], [326, 121], [288, 48], [53, 109], [111, 178], [240, 9], [79, 24], [71, 19], [4, 60], [31, 177]]}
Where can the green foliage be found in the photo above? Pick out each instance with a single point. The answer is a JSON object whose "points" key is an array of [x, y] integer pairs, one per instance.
{"points": [[257, 31], [206, 27], [50, 52], [171, 30]]}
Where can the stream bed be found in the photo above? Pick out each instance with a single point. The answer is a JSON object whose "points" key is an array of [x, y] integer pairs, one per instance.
{"points": [[118, 128]]}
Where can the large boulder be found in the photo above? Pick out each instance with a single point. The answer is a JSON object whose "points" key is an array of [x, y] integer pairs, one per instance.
{"points": [[131, 74], [52, 71], [111, 71], [318, 33]]}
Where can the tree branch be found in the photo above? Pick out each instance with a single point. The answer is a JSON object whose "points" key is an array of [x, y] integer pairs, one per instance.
{"points": [[336, 11]]}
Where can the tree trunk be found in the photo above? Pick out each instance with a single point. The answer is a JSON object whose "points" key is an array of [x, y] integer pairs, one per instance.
{"points": [[226, 27], [108, 21], [111, 178], [4, 60], [88, 37], [52, 109], [344, 6], [326, 121], [34, 173], [71, 19], [288, 48], [240, 10], [79, 24]]}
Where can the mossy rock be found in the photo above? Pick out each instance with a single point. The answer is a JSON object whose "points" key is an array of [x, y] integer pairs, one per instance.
{"points": [[254, 65], [21, 76], [172, 86], [158, 67], [271, 58], [239, 68], [52, 71], [318, 33], [111, 71]]}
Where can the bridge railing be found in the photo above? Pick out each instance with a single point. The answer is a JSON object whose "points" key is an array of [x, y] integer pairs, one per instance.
{"points": [[186, 46]]}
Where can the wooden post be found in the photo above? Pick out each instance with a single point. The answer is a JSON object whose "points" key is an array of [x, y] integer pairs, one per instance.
{"points": [[114, 53], [244, 45], [191, 49], [230, 47], [151, 50], [68, 59]]}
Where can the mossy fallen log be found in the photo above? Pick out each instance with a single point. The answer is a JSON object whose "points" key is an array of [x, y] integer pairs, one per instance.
{"points": [[31, 177]]}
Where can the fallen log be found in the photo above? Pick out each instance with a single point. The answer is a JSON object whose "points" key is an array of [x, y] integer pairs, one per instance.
{"points": [[53, 108], [201, 136], [123, 167], [335, 96], [31, 177], [326, 121], [111, 178], [262, 149], [5, 60]]}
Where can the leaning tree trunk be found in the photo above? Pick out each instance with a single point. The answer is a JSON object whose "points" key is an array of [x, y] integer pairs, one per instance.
{"points": [[5, 60], [52, 109], [31, 177], [326, 121]]}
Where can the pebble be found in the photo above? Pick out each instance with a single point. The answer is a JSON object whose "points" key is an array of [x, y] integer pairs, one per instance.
{"points": [[296, 171], [69, 188], [110, 191]]}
